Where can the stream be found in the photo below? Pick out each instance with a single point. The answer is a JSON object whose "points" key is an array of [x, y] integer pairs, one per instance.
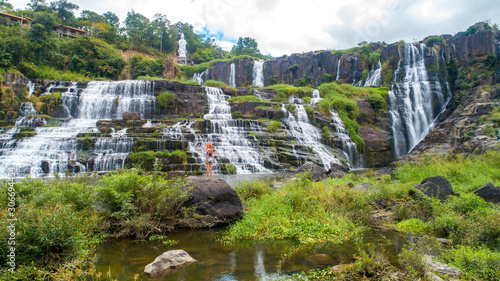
{"points": [[247, 260]]}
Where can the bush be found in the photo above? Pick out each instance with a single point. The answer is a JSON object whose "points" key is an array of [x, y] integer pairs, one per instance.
{"points": [[433, 40], [377, 102], [284, 91], [255, 189], [165, 99], [273, 126], [414, 226], [310, 113], [481, 263], [324, 107]]}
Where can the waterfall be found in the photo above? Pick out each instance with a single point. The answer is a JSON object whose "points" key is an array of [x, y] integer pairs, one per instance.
{"points": [[348, 146], [232, 76], [258, 73], [230, 138], [28, 116], [307, 135], [201, 77], [411, 100], [374, 78], [315, 97], [54, 149], [338, 70], [31, 88]]}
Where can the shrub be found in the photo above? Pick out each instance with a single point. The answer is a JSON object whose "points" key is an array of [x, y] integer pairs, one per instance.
{"points": [[255, 189], [414, 226], [377, 102], [284, 91], [324, 107], [480, 262], [433, 40], [273, 126], [165, 99], [310, 113]]}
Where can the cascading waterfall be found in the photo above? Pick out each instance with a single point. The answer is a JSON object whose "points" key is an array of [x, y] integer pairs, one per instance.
{"points": [[348, 146], [374, 78], [411, 101], [315, 97], [232, 75], [338, 71], [54, 149], [28, 116], [258, 73], [307, 135], [31, 88], [201, 77], [230, 138]]}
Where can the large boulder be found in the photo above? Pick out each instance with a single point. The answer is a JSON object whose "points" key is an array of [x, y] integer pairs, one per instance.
{"points": [[336, 171], [215, 200], [168, 262], [489, 193], [317, 172], [436, 187]]}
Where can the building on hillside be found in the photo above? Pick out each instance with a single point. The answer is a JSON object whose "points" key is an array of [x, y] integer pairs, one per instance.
{"points": [[68, 31], [12, 18]]}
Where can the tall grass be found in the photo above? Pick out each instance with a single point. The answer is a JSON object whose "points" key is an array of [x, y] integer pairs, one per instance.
{"points": [[284, 91], [49, 73]]}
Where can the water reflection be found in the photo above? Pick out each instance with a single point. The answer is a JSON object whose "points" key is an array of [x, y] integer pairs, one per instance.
{"points": [[125, 258]]}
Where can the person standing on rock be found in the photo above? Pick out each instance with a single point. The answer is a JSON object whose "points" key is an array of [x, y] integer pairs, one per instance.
{"points": [[209, 159]]}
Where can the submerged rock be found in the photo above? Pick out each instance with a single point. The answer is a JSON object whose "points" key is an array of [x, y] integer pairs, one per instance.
{"points": [[168, 262], [489, 193], [438, 187], [215, 200]]}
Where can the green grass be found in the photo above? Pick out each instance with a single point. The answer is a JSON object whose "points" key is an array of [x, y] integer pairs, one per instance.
{"points": [[273, 126], [247, 98], [49, 73], [284, 91], [151, 78], [331, 212], [217, 84]]}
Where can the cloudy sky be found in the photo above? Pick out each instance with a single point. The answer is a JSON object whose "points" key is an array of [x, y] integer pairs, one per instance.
{"points": [[293, 26]]}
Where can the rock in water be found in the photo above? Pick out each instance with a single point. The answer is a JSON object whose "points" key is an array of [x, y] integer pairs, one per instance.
{"points": [[317, 172], [131, 116], [215, 199], [489, 193], [167, 262], [438, 187]]}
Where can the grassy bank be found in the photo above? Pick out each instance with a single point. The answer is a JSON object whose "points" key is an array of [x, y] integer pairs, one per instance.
{"points": [[60, 221], [332, 212]]}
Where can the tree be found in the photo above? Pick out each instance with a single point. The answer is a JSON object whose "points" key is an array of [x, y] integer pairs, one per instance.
{"points": [[39, 6], [112, 18], [162, 23], [4, 6], [64, 10], [136, 27], [246, 46]]}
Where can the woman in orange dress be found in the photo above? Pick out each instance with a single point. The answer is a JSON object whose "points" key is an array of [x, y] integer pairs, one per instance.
{"points": [[209, 159]]}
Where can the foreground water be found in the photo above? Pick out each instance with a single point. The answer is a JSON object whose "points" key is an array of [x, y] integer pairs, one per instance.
{"points": [[126, 258]]}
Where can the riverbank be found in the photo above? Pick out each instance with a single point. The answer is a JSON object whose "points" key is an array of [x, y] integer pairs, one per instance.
{"points": [[61, 221]]}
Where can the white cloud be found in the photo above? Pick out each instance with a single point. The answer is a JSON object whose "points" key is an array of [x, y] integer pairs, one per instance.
{"points": [[290, 26]]}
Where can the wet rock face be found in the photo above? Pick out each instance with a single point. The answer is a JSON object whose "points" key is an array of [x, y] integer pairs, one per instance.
{"points": [[215, 199], [131, 116], [17, 83]]}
